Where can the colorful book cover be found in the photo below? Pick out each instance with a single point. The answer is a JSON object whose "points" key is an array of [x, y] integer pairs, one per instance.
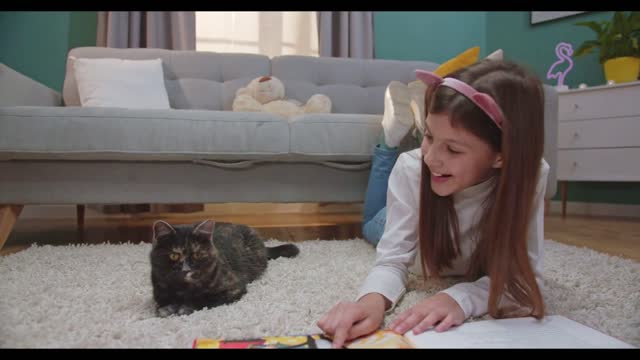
{"points": [[270, 342], [381, 339]]}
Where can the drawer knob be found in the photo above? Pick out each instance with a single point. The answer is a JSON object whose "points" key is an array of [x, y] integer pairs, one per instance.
{"points": [[575, 135], [575, 164], [575, 106]]}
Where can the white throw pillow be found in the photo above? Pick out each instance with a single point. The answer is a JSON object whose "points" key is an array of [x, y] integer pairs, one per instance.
{"points": [[121, 83]]}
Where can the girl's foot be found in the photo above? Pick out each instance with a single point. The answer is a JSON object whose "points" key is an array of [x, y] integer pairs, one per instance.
{"points": [[398, 117], [417, 90]]}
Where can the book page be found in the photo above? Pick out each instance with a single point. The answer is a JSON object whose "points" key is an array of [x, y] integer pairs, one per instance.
{"points": [[551, 332]]}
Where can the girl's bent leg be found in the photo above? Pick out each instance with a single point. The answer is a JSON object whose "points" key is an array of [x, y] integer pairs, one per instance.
{"points": [[381, 166], [374, 228]]}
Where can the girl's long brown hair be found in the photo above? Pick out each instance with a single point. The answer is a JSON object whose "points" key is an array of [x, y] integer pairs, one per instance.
{"points": [[501, 251]]}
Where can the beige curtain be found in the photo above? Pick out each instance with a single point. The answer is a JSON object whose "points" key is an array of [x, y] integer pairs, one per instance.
{"points": [[147, 29], [346, 34], [270, 33]]}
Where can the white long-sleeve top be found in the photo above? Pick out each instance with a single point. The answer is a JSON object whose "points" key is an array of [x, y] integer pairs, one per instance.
{"points": [[396, 252]]}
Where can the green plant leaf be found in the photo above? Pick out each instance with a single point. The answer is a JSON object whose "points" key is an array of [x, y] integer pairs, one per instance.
{"points": [[597, 28], [587, 47], [615, 38], [618, 23], [634, 19]]}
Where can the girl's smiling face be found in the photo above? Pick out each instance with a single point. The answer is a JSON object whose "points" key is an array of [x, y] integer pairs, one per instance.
{"points": [[456, 158]]}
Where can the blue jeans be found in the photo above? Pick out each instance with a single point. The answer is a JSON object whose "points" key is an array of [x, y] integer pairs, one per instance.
{"points": [[375, 200]]}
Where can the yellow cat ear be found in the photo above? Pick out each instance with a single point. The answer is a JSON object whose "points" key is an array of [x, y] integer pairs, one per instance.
{"points": [[466, 58]]}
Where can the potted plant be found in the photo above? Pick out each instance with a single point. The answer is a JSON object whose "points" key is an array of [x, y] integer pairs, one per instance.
{"points": [[618, 43]]}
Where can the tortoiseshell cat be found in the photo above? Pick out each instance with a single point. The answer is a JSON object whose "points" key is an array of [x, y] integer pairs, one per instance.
{"points": [[206, 264]]}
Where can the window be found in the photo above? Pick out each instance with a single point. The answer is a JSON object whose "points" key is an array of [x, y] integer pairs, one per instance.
{"points": [[269, 33]]}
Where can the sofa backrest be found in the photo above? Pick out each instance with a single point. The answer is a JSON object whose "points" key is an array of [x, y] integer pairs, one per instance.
{"points": [[209, 80], [355, 86], [194, 79]]}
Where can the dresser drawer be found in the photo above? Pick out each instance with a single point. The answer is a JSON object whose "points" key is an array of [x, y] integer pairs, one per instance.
{"points": [[600, 102], [599, 133], [599, 164]]}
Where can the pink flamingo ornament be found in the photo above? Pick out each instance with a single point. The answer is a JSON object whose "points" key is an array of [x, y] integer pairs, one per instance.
{"points": [[564, 51]]}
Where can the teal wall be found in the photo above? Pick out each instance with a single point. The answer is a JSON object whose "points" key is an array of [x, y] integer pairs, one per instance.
{"points": [[438, 36], [427, 35], [83, 26], [36, 43]]}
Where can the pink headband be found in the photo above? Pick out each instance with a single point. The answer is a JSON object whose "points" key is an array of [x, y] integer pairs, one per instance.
{"points": [[482, 100]]}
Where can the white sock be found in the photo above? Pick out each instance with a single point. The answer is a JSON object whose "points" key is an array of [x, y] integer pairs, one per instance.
{"points": [[397, 119]]}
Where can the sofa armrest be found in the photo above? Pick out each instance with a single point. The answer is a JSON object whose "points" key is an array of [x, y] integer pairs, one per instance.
{"points": [[19, 90], [551, 137]]}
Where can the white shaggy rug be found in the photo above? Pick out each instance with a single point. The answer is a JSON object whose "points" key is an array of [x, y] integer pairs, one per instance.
{"points": [[97, 296]]}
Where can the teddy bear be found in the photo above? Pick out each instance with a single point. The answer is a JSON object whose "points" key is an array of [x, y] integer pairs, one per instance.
{"points": [[266, 94]]}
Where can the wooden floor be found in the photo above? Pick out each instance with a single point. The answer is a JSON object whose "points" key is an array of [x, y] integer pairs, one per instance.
{"points": [[615, 236]]}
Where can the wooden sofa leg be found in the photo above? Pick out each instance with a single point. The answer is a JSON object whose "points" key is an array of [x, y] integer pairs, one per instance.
{"points": [[8, 217], [80, 218], [80, 214], [547, 206]]}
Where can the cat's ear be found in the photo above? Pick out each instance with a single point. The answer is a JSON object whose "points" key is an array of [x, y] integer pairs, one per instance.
{"points": [[205, 228], [161, 228]]}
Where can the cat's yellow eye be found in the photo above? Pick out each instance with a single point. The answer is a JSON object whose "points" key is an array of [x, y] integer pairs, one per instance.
{"points": [[174, 256], [198, 255]]}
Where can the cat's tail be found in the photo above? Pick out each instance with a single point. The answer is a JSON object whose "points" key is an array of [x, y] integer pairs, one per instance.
{"points": [[286, 250]]}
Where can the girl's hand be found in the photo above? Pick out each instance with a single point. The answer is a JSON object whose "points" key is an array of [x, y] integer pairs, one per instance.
{"points": [[439, 309], [349, 320]]}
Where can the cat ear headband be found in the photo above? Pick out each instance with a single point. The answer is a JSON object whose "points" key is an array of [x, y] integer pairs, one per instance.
{"points": [[482, 100]]}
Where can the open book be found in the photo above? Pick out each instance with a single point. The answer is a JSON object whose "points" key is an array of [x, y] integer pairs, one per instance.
{"points": [[552, 332], [379, 339]]}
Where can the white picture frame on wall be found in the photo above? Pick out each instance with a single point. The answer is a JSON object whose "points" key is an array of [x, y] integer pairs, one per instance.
{"points": [[542, 16]]}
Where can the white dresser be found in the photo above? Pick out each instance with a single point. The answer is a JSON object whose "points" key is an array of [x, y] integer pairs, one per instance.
{"points": [[599, 134]]}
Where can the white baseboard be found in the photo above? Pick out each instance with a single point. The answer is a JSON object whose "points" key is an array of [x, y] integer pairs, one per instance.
{"points": [[596, 209]]}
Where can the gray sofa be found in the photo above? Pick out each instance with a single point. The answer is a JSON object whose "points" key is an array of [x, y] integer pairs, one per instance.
{"points": [[53, 151]]}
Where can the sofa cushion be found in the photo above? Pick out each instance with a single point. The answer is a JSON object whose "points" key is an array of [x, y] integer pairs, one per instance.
{"points": [[193, 79], [77, 133], [338, 137], [133, 84]]}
